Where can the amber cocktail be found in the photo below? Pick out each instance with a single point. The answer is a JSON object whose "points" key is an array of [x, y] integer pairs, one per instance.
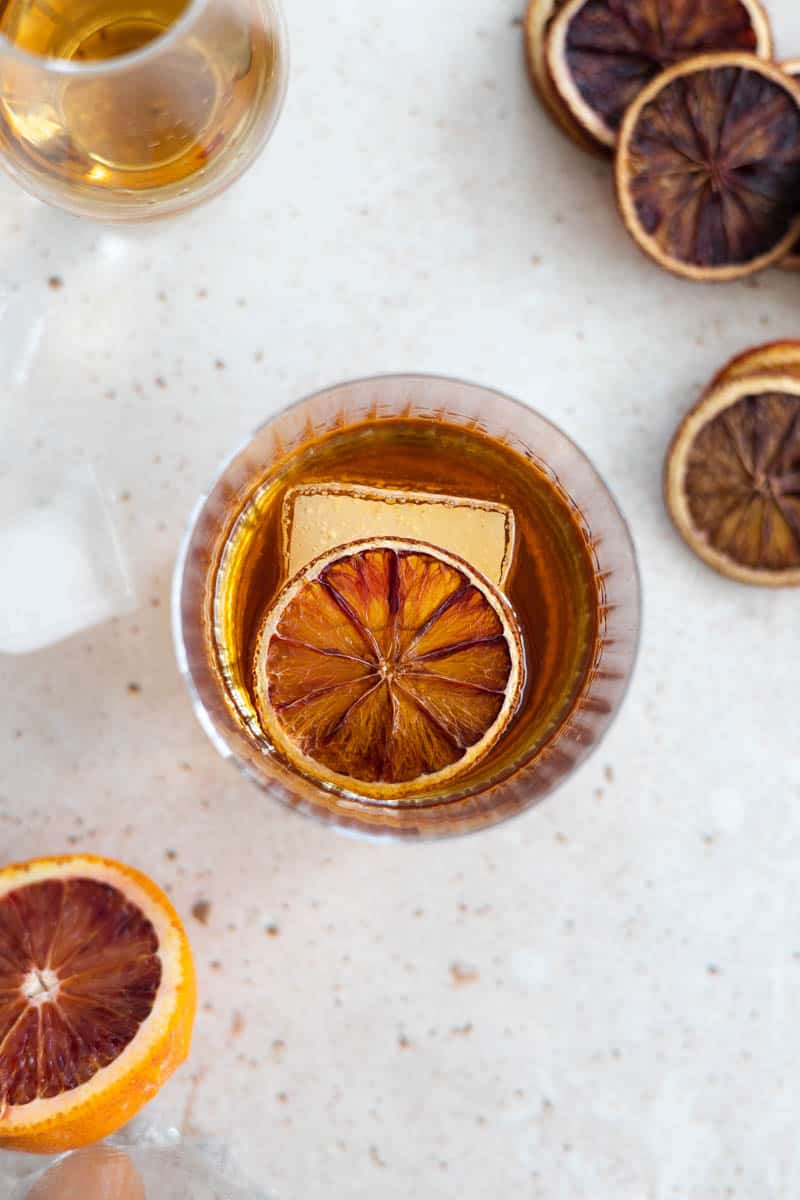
{"points": [[408, 605]]}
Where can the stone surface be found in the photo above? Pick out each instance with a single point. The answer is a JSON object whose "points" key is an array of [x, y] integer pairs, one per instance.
{"points": [[597, 1000]]}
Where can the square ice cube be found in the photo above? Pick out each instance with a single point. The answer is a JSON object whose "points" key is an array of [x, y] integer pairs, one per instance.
{"points": [[63, 569]]}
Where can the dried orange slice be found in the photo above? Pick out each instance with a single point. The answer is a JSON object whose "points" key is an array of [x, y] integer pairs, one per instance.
{"points": [[538, 20], [733, 478], [781, 356], [791, 261], [708, 167], [602, 53], [97, 999], [388, 667]]}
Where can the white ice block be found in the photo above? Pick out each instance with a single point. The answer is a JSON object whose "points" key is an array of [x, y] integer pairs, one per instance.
{"points": [[61, 563]]}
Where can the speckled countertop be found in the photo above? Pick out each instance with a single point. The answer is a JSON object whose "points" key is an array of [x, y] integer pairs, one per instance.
{"points": [[597, 1000]]}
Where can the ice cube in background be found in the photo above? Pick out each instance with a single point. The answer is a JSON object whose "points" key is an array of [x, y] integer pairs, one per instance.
{"points": [[21, 329], [62, 568]]}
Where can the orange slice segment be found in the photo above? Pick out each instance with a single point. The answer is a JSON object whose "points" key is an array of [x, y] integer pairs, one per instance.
{"points": [[418, 691], [602, 53], [97, 999]]}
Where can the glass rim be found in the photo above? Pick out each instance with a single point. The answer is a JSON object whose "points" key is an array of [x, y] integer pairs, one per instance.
{"points": [[99, 69], [396, 377], [355, 823]]}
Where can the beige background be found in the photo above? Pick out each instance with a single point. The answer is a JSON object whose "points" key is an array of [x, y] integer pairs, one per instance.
{"points": [[598, 1000]]}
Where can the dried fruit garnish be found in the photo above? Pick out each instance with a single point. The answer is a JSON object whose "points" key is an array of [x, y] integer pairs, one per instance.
{"points": [[387, 668], [733, 476], [782, 356], [708, 167], [791, 262], [538, 21], [601, 53]]}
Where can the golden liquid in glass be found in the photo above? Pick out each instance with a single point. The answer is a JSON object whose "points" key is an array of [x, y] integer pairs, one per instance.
{"points": [[142, 126]]}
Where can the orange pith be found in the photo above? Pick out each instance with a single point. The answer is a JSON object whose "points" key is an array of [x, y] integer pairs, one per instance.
{"points": [[387, 667], [97, 999]]}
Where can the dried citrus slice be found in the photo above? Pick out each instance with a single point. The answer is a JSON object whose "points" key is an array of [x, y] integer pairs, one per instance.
{"points": [[791, 261], [733, 479], [602, 53], [708, 167], [538, 20], [388, 667], [782, 357], [97, 999]]}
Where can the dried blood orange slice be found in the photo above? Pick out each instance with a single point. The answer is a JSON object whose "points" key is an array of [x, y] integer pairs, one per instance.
{"points": [[602, 53], [782, 357], [97, 999], [539, 18], [791, 261], [733, 479], [708, 167], [388, 667]]}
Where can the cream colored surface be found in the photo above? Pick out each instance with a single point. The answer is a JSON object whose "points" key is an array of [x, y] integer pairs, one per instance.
{"points": [[597, 1001], [318, 518]]}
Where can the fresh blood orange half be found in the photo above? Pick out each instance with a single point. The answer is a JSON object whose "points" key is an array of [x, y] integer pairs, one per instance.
{"points": [[733, 478], [708, 167], [387, 668], [97, 999], [539, 18], [602, 53]]}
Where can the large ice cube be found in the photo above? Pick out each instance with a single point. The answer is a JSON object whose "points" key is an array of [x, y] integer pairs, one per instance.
{"points": [[62, 567], [317, 517]]}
